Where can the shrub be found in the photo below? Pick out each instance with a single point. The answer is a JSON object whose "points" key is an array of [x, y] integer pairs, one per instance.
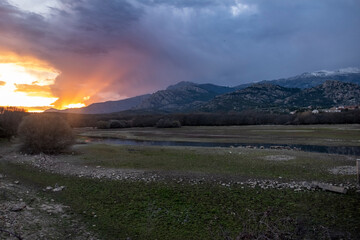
{"points": [[10, 119], [168, 123], [45, 133], [102, 125], [119, 124]]}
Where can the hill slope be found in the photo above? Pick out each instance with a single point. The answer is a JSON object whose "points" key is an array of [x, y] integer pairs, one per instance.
{"points": [[257, 96], [328, 94], [308, 80], [183, 96], [265, 96], [106, 107]]}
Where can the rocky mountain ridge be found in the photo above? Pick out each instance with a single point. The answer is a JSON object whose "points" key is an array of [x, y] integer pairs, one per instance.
{"points": [[265, 96], [183, 96], [312, 79], [321, 88]]}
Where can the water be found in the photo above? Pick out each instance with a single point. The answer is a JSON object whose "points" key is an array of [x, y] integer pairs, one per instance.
{"points": [[345, 150]]}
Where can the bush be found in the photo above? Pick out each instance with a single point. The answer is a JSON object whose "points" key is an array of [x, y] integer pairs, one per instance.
{"points": [[102, 125], [119, 124], [168, 123], [45, 133], [10, 119]]}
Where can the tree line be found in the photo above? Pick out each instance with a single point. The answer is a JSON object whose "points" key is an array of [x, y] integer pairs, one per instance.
{"points": [[124, 120], [11, 118]]}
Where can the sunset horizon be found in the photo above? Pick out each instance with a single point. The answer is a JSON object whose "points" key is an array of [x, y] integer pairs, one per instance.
{"points": [[179, 119], [65, 54]]}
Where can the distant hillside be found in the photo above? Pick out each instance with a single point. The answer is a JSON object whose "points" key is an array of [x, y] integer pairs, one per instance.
{"points": [[328, 94], [265, 96], [257, 96], [183, 96], [106, 107], [308, 80]]}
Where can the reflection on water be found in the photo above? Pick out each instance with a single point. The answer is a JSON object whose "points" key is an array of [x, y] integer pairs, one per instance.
{"points": [[345, 150]]}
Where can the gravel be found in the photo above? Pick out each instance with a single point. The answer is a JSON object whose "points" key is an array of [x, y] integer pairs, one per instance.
{"points": [[25, 215], [54, 165], [343, 170]]}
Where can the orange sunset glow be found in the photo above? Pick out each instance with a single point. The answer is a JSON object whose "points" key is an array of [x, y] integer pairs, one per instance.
{"points": [[26, 82]]}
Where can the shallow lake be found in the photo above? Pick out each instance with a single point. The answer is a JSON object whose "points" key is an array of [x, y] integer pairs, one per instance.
{"points": [[345, 150]]}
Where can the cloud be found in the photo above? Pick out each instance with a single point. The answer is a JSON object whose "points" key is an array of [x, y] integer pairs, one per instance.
{"points": [[113, 49], [34, 90], [240, 8]]}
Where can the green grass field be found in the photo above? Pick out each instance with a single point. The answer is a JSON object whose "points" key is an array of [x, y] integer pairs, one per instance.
{"points": [[240, 162], [137, 210]]}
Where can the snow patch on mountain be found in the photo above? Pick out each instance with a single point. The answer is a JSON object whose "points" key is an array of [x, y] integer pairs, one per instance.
{"points": [[326, 73]]}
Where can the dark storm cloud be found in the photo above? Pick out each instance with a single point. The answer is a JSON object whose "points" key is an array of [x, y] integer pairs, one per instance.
{"points": [[141, 46]]}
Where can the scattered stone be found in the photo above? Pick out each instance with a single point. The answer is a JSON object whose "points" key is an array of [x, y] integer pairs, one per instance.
{"points": [[16, 182], [279, 158], [330, 187], [58, 189], [18, 207], [52, 208], [343, 170]]}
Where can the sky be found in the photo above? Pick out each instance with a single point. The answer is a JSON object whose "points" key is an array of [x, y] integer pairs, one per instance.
{"points": [[72, 53]]}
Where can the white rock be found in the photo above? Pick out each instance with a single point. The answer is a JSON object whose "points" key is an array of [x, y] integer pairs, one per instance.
{"points": [[58, 189]]}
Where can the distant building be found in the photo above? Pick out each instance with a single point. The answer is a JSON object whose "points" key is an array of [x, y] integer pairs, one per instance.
{"points": [[332, 110]]}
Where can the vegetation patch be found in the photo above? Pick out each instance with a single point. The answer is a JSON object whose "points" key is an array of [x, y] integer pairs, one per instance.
{"points": [[45, 133], [246, 163], [344, 170], [136, 210], [279, 157], [323, 135]]}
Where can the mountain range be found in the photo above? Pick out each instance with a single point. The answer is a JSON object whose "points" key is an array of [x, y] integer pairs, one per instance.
{"points": [[265, 96], [321, 89]]}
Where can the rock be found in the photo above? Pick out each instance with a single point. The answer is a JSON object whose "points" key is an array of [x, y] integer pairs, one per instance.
{"points": [[1, 176], [48, 188], [58, 189], [16, 182], [52, 208], [331, 188], [18, 207]]}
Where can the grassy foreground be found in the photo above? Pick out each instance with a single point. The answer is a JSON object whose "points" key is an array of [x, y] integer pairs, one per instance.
{"points": [[240, 162], [170, 210], [136, 210]]}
